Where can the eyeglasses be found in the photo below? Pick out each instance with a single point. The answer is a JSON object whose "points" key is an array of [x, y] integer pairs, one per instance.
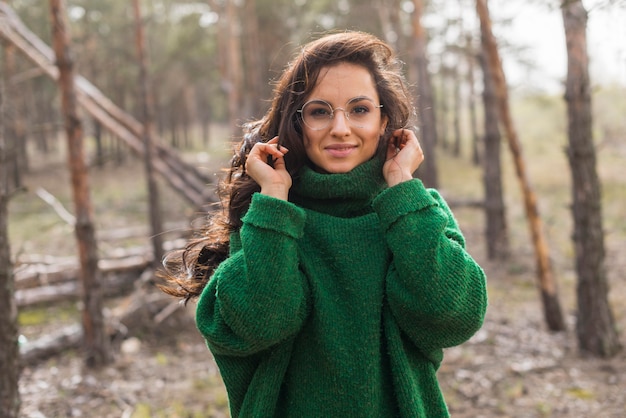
{"points": [[359, 112]]}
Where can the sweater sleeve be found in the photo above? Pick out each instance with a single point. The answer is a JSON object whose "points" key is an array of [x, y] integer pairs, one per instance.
{"points": [[436, 291], [257, 297]]}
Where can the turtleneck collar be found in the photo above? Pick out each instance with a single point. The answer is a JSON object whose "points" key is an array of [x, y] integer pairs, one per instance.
{"points": [[344, 194]]}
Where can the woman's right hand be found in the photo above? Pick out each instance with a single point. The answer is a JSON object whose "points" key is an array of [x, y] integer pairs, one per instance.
{"points": [[274, 181]]}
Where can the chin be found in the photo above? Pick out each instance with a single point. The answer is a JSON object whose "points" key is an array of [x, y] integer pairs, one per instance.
{"points": [[337, 168]]}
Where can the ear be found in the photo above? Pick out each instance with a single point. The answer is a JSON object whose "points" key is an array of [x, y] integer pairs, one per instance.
{"points": [[384, 120]]}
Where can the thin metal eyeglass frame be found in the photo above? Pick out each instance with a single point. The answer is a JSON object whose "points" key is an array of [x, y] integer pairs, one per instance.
{"points": [[332, 112]]}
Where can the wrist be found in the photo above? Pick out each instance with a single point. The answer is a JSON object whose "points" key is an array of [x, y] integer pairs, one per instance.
{"points": [[399, 177], [278, 192]]}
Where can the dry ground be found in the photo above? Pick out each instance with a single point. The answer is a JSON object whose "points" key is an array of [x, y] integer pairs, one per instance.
{"points": [[512, 368]]}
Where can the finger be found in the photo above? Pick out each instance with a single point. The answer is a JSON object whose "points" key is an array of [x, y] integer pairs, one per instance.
{"points": [[404, 136], [397, 138], [265, 152], [262, 149]]}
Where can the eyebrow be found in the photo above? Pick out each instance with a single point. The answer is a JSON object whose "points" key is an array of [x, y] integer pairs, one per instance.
{"points": [[353, 99]]}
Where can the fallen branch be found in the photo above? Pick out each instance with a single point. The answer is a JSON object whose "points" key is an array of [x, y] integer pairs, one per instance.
{"points": [[477, 204], [144, 309], [37, 270], [56, 205], [113, 285], [50, 345], [37, 275]]}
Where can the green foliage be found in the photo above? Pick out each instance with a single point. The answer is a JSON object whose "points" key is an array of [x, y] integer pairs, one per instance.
{"points": [[161, 359], [46, 315], [581, 393], [142, 411]]}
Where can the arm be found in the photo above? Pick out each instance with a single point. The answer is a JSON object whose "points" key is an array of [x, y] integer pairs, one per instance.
{"points": [[436, 291], [257, 297]]}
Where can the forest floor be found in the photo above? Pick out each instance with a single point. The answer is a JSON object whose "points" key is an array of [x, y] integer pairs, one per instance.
{"points": [[513, 367]]}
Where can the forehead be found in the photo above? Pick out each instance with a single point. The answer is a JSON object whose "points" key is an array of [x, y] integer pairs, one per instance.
{"points": [[342, 82]]}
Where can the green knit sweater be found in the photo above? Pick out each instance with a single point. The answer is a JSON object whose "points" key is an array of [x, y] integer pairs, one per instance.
{"points": [[339, 302]]}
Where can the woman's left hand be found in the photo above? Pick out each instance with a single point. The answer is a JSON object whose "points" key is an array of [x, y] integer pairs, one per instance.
{"points": [[404, 156]]}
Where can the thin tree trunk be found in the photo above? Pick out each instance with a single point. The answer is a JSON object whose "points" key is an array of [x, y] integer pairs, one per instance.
{"points": [[547, 283], [9, 350], [425, 102], [595, 326], [388, 12], [97, 136], [471, 64], [147, 107], [496, 233], [456, 108], [252, 54], [15, 126], [444, 107], [235, 77], [95, 342], [204, 110]]}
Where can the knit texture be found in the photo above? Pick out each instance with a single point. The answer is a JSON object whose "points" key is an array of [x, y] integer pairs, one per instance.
{"points": [[339, 303]]}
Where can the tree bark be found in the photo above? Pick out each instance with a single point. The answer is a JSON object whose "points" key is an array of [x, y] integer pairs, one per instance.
{"points": [[9, 354], [496, 230], [15, 131], [252, 54], [95, 344], [425, 102], [547, 283], [595, 325], [456, 107], [147, 110], [389, 14], [234, 66], [471, 64]]}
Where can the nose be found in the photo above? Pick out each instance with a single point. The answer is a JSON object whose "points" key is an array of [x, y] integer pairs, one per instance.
{"points": [[339, 124]]}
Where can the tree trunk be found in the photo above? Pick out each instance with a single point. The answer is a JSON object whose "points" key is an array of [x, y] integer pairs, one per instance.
{"points": [[147, 110], [9, 354], [15, 132], [425, 103], [389, 12], [97, 136], [456, 107], [234, 66], [471, 64], [496, 233], [95, 344], [595, 326], [547, 283], [252, 54]]}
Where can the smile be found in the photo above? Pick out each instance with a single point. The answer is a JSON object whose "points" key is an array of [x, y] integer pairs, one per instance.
{"points": [[340, 150]]}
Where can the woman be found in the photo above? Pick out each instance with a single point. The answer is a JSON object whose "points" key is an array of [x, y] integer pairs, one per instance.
{"points": [[333, 279]]}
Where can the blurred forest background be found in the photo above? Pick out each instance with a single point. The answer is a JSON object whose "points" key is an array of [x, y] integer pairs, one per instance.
{"points": [[162, 88]]}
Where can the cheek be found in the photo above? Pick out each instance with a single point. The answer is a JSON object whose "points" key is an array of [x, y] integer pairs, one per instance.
{"points": [[306, 141], [374, 138], [309, 144]]}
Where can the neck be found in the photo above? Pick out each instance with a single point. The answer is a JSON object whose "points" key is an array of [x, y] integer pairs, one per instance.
{"points": [[341, 194]]}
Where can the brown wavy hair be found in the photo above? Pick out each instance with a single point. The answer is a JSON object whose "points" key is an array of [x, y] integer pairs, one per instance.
{"points": [[187, 271]]}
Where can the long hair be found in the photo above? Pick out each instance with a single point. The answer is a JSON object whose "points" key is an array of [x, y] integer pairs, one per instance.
{"points": [[187, 271]]}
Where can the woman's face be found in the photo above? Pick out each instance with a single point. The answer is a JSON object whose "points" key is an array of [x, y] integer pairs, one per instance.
{"points": [[342, 119]]}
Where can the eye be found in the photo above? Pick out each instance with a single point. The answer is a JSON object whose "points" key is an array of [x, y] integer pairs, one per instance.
{"points": [[360, 110], [317, 110]]}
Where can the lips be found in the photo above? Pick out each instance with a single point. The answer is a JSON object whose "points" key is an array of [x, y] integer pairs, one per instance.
{"points": [[340, 150]]}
